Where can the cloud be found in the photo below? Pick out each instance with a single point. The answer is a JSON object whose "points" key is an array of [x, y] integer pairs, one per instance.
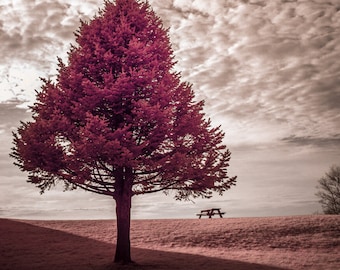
{"points": [[261, 65], [333, 141], [10, 115], [30, 29], [32, 35], [19, 80]]}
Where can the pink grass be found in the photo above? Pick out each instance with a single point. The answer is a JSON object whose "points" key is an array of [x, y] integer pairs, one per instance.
{"points": [[298, 242]]}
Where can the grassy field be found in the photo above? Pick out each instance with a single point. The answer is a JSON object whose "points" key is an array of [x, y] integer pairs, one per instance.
{"points": [[296, 242]]}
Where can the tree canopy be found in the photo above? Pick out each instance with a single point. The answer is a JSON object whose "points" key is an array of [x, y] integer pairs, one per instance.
{"points": [[118, 104]]}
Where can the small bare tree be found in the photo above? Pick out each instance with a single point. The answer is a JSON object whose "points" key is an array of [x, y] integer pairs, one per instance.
{"points": [[329, 191]]}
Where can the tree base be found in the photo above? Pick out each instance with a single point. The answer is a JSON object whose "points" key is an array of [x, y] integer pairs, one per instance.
{"points": [[123, 262], [117, 265]]}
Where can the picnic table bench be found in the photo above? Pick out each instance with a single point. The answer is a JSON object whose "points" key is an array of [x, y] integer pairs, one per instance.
{"points": [[211, 212]]}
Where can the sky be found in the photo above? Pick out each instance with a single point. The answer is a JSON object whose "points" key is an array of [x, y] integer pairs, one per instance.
{"points": [[269, 74]]}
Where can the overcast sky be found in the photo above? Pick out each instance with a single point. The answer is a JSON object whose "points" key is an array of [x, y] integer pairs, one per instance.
{"points": [[269, 73]]}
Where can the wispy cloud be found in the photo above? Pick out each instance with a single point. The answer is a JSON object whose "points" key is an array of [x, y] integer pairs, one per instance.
{"points": [[269, 64], [33, 29], [32, 35], [333, 141]]}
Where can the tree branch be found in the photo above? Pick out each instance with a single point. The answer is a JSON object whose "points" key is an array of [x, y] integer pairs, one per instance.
{"points": [[93, 189]]}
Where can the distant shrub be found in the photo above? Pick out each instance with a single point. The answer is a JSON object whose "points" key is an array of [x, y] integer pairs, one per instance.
{"points": [[329, 191]]}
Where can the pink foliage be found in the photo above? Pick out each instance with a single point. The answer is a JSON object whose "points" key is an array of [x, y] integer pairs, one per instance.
{"points": [[118, 104]]}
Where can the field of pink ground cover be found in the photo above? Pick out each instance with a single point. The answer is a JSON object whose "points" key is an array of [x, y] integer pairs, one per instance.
{"points": [[296, 242]]}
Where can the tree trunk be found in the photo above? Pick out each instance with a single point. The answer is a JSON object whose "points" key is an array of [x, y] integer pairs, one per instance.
{"points": [[123, 211]]}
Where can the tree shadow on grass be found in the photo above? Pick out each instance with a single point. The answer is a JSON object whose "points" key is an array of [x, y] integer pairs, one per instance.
{"points": [[24, 246]]}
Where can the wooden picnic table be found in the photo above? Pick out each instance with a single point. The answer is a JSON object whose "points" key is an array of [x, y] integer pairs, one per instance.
{"points": [[211, 212]]}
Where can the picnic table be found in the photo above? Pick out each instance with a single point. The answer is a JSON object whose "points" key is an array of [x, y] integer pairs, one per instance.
{"points": [[211, 212]]}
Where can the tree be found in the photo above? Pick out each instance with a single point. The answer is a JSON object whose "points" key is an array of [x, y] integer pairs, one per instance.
{"points": [[119, 122], [329, 191]]}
